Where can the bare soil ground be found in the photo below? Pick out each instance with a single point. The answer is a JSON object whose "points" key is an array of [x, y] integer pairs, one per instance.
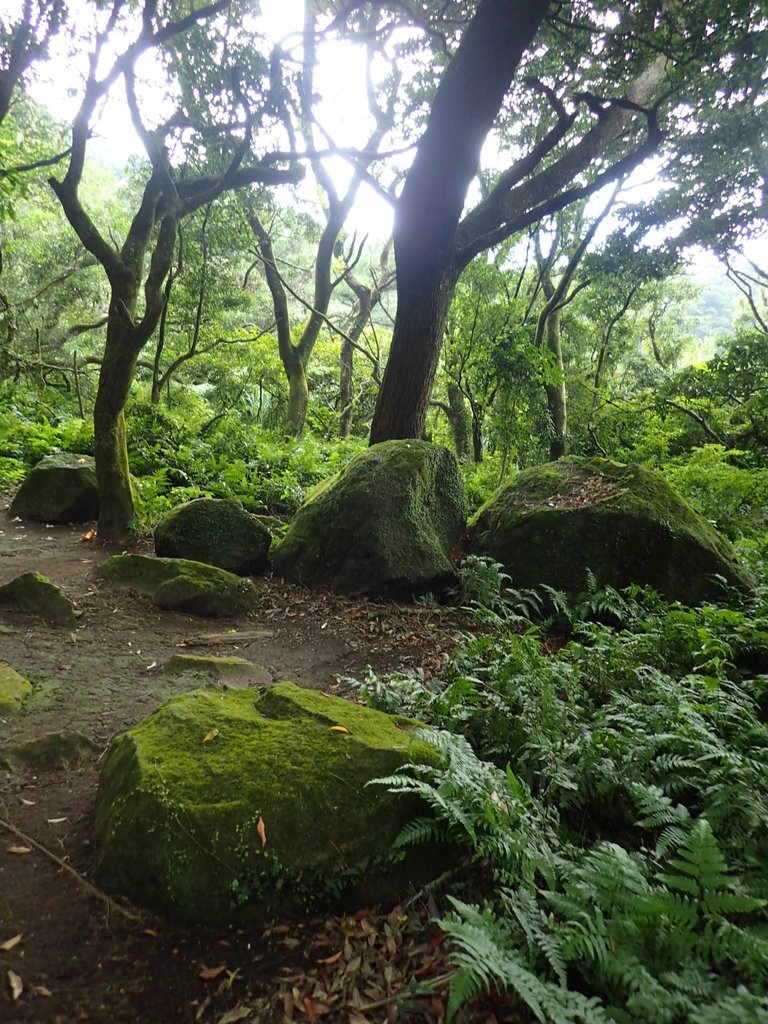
{"points": [[69, 955]]}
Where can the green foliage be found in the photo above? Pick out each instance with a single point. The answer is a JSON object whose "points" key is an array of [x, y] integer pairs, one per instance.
{"points": [[619, 790]]}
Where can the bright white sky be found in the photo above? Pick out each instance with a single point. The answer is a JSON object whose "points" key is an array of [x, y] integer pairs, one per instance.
{"points": [[342, 111], [339, 80]]}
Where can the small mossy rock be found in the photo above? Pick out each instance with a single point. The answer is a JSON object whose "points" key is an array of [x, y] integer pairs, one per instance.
{"points": [[61, 488], [184, 796], [13, 689], [227, 669], [624, 523], [53, 750], [216, 531], [180, 584], [385, 525], [34, 594]]}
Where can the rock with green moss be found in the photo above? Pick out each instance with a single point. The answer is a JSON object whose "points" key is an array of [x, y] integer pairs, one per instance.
{"points": [[226, 669], [61, 488], [216, 531], [53, 750], [13, 689], [386, 525], [179, 584], [623, 523], [227, 806], [34, 594]]}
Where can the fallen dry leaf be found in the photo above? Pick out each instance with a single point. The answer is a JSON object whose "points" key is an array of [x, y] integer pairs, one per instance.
{"points": [[10, 943], [16, 984], [261, 831], [330, 959], [339, 728], [41, 990], [27, 803], [20, 850], [211, 973], [210, 735], [55, 821], [88, 535], [233, 1016]]}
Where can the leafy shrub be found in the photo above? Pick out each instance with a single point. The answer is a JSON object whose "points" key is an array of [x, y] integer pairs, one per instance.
{"points": [[619, 790]]}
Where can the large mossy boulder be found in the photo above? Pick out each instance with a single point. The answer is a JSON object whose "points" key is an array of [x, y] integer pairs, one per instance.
{"points": [[623, 523], [386, 525], [32, 593], [61, 488], [216, 531], [227, 806], [179, 584]]}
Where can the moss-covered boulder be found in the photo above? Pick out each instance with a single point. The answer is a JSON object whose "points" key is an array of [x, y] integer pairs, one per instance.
{"points": [[235, 805], [386, 525], [179, 584], [53, 750], [216, 531], [61, 488], [34, 594], [13, 689], [226, 669], [624, 523]]}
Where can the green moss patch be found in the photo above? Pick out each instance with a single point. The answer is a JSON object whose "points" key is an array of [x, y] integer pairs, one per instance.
{"points": [[224, 668], [13, 689], [217, 531], [186, 797], [34, 594], [180, 584], [623, 523], [385, 525], [61, 488], [54, 750]]}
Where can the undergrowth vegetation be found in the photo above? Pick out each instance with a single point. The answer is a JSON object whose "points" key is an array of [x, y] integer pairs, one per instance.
{"points": [[612, 797]]}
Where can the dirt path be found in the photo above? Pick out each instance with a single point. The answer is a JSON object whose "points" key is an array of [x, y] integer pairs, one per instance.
{"points": [[76, 959]]}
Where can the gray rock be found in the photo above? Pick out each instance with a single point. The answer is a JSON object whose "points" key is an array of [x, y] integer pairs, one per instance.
{"points": [[386, 525], [61, 488], [216, 531]]}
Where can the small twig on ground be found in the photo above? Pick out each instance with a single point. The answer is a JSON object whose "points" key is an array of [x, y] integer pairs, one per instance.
{"points": [[83, 882]]}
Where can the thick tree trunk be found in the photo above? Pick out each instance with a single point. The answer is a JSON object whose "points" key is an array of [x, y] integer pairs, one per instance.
{"points": [[406, 389], [467, 101], [116, 510], [298, 394]]}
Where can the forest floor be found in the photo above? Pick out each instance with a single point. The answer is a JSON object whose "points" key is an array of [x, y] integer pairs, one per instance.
{"points": [[70, 954]]}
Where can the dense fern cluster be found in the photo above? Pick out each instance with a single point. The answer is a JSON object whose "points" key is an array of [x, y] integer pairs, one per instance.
{"points": [[619, 789]]}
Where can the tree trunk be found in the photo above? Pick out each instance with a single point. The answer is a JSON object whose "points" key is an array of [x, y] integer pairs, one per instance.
{"points": [[459, 421], [298, 394], [477, 438], [345, 389], [406, 389], [116, 510], [556, 394]]}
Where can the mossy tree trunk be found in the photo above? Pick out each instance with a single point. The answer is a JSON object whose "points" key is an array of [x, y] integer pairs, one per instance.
{"points": [[169, 195]]}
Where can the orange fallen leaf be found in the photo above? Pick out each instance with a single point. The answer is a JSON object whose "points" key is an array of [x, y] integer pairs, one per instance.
{"points": [[261, 831], [330, 959], [339, 728], [88, 535], [10, 943], [211, 973], [16, 984]]}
